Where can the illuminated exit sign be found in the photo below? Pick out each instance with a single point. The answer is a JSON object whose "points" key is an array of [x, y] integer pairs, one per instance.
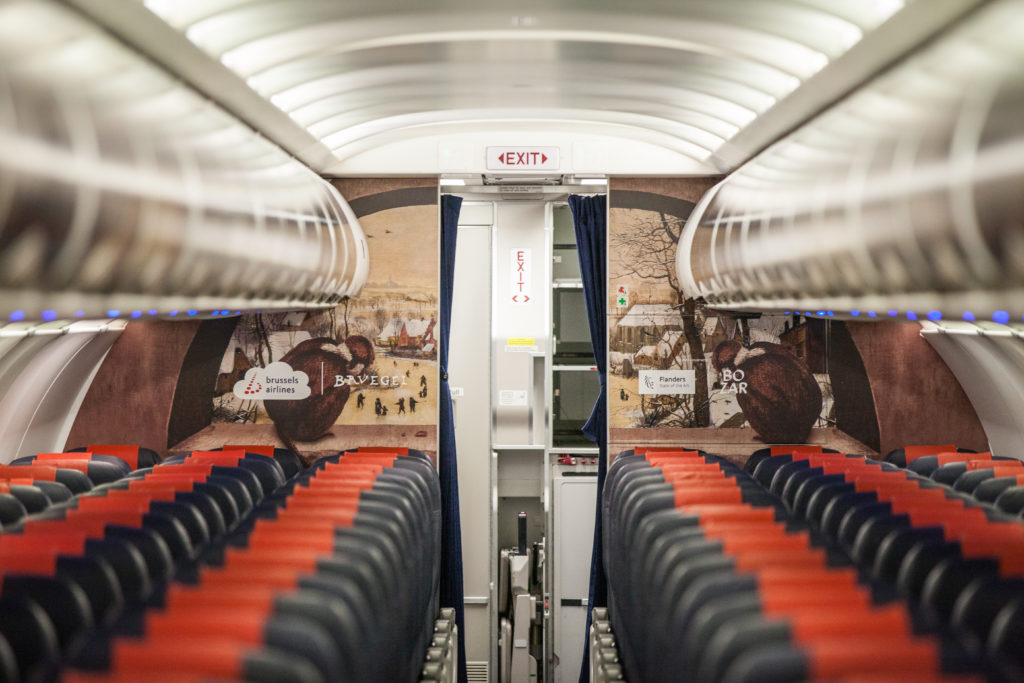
{"points": [[521, 275], [522, 159]]}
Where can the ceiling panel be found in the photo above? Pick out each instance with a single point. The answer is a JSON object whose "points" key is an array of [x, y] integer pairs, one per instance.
{"points": [[695, 73]]}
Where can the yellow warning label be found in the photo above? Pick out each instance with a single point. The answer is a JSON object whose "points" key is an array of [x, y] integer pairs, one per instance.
{"points": [[521, 341]]}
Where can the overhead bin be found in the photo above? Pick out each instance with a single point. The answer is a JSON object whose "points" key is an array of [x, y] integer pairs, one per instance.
{"points": [[123, 192], [900, 200]]}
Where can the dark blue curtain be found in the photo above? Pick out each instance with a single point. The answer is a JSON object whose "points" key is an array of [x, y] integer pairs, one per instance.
{"points": [[451, 592], [589, 215]]}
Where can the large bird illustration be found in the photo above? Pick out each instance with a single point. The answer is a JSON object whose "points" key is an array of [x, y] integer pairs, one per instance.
{"points": [[781, 399], [323, 360]]}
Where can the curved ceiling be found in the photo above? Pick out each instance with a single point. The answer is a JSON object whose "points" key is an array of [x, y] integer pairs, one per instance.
{"points": [[689, 75]]}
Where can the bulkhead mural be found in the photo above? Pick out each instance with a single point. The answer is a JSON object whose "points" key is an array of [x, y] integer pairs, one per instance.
{"points": [[676, 365], [683, 373], [362, 373]]}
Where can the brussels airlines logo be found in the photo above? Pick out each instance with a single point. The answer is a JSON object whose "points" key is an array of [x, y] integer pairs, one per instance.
{"points": [[276, 382]]}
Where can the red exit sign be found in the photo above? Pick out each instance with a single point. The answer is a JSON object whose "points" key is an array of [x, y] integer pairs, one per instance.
{"points": [[522, 159]]}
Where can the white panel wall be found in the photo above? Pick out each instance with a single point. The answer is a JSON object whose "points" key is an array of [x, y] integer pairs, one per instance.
{"points": [[45, 372], [988, 361], [521, 225], [460, 148], [469, 369], [575, 499]]}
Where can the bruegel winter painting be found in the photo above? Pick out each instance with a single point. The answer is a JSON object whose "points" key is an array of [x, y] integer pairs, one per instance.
{"points": [[687, 375], [683, 373], [362, 374], [365, 373]]}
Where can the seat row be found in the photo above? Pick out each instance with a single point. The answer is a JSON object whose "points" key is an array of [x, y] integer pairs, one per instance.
{"points": [[957, 562], [31, 484], [80, 562], [219, 565], [988, 478], [712, 579]]}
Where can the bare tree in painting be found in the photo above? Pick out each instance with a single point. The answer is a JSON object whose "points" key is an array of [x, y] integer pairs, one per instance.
{"points": [[262, 341], [380, 315], [332, 325], [647, 252], [345, 303]]}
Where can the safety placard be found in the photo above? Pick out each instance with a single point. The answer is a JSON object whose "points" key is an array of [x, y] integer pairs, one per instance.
{"points": [[521, 345], [521, 272], [622, 296], [511, 397]]}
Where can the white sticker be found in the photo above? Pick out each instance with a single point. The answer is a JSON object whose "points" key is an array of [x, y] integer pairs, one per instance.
{"points": [[511, 397], [668, 382], [276, 382], [458, 392]]}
